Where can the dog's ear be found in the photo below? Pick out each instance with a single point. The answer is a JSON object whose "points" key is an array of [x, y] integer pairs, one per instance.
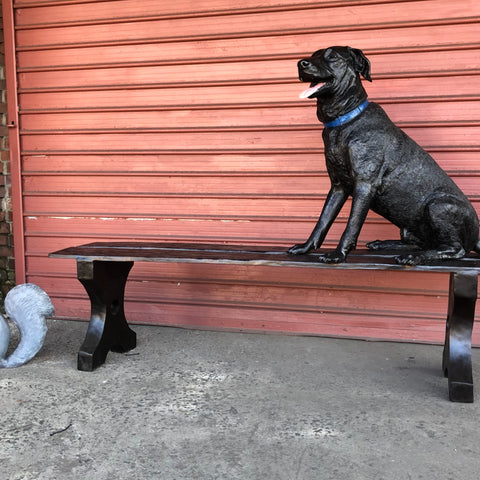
{"points": [[360, 62]]}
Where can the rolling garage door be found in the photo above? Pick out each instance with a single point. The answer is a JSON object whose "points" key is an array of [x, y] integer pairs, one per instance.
{"points": [[180, 121]]}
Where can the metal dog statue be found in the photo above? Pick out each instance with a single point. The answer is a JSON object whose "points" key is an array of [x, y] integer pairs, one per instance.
{"points": [[372, 160]]}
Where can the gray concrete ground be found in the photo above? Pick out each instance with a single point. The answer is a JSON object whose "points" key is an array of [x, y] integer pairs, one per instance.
{"points": [[209, 405]]}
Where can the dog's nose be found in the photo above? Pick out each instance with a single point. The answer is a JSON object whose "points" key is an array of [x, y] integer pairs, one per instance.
{"points": [[304, 63]]}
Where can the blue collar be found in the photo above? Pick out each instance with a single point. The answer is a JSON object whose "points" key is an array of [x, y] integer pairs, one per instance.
{"points": [[348, 116]]}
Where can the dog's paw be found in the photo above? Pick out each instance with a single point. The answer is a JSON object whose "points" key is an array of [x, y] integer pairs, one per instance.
{"points": [[299, 249], [332, 257], [375, 245], [410, 259]]}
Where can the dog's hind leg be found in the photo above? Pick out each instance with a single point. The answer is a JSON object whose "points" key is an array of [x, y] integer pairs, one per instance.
{"points": [[476, 248], [444, 220], [407, 241], [429, 256]]}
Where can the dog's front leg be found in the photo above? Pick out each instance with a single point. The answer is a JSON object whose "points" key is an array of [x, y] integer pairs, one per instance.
{"points": [[333, 204], [362, 196]]}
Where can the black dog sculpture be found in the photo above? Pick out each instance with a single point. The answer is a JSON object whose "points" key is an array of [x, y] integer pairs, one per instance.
{"points": [[369, 158]]}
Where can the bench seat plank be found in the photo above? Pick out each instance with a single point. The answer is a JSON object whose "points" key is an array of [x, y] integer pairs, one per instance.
{"points": [[253, 255]]}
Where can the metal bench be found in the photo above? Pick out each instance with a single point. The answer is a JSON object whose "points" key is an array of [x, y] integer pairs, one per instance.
{"points": [[103, 269]]}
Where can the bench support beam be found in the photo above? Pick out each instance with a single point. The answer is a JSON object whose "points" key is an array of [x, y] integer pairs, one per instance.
{"points": [[457, 352], [108, 330]]}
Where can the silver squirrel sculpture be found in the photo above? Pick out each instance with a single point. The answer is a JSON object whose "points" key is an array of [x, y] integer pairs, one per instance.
{"points": [[28, 306]]}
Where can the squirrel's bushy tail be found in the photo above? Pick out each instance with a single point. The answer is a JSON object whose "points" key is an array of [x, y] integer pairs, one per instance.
{"points": [[27, 305]]}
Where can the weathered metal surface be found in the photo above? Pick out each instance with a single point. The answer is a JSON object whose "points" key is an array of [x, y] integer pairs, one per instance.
{"points": [[160, 121]]}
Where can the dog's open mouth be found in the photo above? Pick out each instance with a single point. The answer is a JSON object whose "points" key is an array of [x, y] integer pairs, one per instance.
{"points": [[312, 90]]}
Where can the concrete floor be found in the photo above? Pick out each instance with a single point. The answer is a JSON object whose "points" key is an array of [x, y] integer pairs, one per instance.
{"points": [[208, 405]]}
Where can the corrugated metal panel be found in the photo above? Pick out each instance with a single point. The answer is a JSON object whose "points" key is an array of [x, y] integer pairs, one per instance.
{"points": [[147, 120]]}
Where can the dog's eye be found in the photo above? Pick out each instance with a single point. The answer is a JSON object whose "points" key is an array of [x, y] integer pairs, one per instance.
{"points": [[329, 54]]}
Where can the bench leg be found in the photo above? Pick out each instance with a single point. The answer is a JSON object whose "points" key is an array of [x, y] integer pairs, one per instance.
{"points": [[457, 352], [108, 329]]}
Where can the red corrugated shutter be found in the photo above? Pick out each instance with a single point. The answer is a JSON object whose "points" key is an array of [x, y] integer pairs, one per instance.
{"points": [[148, 120]]}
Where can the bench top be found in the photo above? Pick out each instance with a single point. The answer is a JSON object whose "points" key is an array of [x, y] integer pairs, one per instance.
{"points": [[249, 255]]}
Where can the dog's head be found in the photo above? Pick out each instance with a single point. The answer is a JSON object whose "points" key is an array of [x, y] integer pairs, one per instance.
{"points": [[332, 72]]}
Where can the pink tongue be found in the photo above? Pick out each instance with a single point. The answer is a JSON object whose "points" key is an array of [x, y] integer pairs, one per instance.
{"points": [[310, 91]]}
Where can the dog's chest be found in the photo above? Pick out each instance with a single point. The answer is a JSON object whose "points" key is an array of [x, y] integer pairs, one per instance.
{"points": [[338, 158]]}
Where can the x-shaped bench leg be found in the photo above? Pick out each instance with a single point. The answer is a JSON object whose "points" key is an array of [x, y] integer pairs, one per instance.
{"points": [[108, 330], [457, 353]]}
